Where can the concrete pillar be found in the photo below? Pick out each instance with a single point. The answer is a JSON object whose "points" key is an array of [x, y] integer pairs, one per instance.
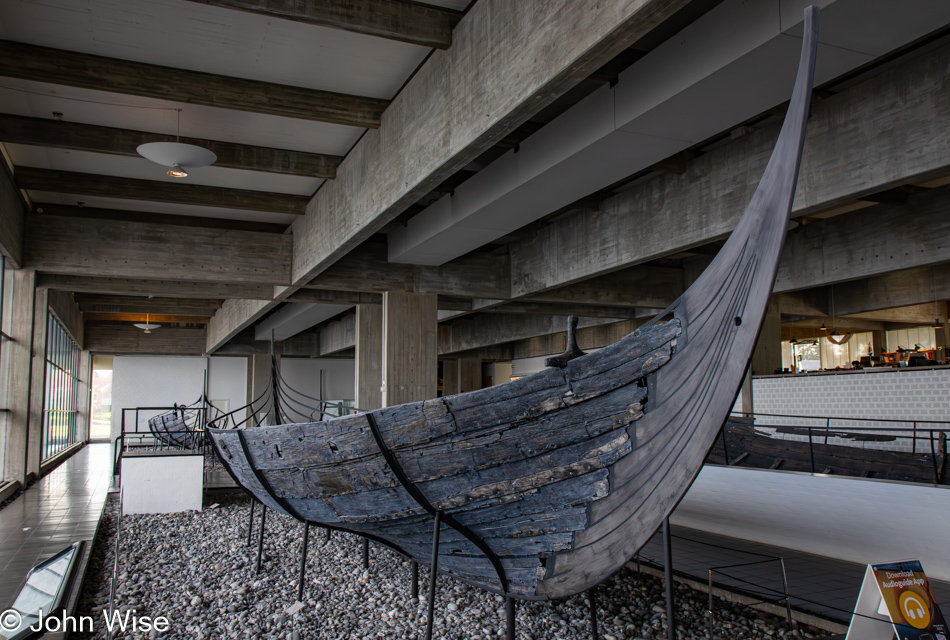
{"points": [[84, 401], [450, 377], [34, 453], [17, 366], [369, 356], [745, 394], [879, 342], [470, 373], [767, 356], [410, 347]]}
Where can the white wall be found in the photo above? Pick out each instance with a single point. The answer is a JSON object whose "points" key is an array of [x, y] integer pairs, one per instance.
{"points": [[863, 521], [161, 381], [303, 375], [893, 394], [228, 383]]}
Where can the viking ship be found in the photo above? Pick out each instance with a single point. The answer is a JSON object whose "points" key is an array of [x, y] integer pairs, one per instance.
{"points": [[545, 486], [177, 428]]}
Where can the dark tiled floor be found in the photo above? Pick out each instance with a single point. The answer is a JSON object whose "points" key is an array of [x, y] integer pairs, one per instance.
{"points": [[822, 585], [62, 507]]}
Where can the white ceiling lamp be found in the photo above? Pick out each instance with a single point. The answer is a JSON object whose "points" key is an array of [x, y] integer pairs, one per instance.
{"points": [[148, 326], [177, 155]]}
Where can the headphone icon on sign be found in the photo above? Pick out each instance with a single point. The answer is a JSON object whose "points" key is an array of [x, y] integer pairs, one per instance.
{"points": [[915, 611]]}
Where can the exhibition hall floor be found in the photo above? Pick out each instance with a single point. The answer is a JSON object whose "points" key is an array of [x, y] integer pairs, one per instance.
{"points": [[60, 508]]}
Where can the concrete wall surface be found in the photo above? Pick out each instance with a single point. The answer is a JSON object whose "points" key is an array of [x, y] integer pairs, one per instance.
{"points": [[859, 520]]}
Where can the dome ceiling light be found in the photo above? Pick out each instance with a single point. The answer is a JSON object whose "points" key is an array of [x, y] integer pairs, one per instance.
{"points": [[148, 326], [178, 155]]}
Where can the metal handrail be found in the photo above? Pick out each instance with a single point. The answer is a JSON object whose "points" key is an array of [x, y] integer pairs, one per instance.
{"points": [[828, 430]]}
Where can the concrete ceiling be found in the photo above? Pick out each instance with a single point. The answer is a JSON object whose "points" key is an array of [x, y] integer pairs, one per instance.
{"points": [[730, 65], [188, 35], [197, 37]]}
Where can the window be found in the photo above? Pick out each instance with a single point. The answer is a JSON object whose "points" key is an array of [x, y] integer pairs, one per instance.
{"points": [[62, 390]]}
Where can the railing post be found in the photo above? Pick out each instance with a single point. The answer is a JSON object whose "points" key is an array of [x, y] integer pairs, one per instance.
{"points": [[811, 450], [709, 612], [933, 456], [725, 450], [788, 604], [915, 436]]}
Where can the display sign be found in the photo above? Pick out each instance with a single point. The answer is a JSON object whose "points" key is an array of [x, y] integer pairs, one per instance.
{"points": [[896, 599]]}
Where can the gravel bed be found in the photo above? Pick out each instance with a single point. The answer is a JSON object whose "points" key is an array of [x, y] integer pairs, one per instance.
{"points": [[196, 570]]}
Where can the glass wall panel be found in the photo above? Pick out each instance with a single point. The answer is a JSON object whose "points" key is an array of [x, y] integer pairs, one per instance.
{"points": [[62, 390]]}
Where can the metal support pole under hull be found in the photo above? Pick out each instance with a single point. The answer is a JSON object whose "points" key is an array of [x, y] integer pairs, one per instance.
{"points": [[668, 574]]}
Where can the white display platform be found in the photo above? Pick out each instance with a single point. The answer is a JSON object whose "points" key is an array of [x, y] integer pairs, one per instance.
{"points": [[162, 483], [861, 520]]}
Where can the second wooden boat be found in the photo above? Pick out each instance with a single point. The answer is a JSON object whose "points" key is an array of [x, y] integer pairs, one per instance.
{"points": [[548, 484]]}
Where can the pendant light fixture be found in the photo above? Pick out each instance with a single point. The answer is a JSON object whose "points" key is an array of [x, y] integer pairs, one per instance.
{"points": [[148, 326], [822, 327], [178, 155], [793, 340]]}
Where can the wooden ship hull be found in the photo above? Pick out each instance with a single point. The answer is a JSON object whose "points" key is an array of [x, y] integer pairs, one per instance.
{"points": [[172, 430], [548, 484]]}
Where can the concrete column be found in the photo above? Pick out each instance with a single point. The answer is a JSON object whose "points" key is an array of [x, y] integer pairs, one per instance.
{"points": [[450, 377], [369, 356], [745, 394], [879, 342], [767, 356], [17, 367], [470, 373], [34, 453], [410, 347], [84, 401]]}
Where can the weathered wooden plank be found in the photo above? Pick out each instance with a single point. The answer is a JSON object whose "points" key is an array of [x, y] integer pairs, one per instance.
{"points": [[57, 66], [419, 24], [87, 137], [88, 184], [109, 248]]}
